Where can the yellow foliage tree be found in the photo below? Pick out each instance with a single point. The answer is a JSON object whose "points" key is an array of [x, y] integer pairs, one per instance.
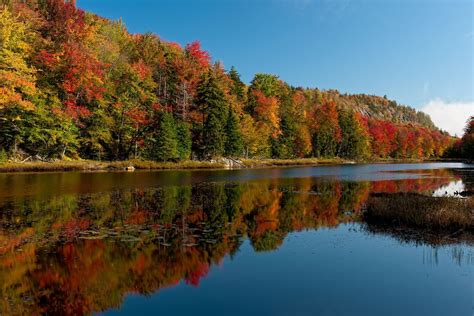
{"points": [[17, 78]]}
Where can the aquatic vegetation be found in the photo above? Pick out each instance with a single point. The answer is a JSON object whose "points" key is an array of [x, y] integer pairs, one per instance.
{"points": [[413, 209]]}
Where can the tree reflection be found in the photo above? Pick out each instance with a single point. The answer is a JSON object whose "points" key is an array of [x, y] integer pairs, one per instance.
{"points": [[79, 254]]}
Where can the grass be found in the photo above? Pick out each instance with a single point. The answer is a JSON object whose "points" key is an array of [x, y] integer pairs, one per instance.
{"points": [[256, 163], [86, 165], [82, 165], [420, 211]]}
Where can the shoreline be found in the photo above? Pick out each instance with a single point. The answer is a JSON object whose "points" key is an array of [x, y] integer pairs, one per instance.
{"points": [[89, 165]]}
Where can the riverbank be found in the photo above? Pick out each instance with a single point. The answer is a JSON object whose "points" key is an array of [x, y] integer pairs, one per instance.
{"points": [[89, 165]]}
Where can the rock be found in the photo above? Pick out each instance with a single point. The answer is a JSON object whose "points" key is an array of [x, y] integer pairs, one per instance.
{"points": [[466, 193], [231, 163]]}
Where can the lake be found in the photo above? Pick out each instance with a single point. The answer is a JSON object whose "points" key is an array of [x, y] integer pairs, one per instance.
{"points": [[277, 241]]}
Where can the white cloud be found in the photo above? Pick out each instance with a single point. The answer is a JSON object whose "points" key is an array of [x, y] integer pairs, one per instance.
{"points": [[449, 116]]}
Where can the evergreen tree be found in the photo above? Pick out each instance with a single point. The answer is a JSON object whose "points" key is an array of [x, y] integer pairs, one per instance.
{"points": [[233, 145], [214, 139], [324, 144], [164, 146], [238, 87], [212, 103], [467, 140], [284, 145], [184, 141], [354, 140], [210, 98]]}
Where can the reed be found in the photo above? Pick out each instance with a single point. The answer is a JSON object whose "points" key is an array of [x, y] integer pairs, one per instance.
{"points": [[256, 163], [86, 165], [417, 210]]}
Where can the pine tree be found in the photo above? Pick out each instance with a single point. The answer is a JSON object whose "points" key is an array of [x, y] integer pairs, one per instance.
{"points": [[238, 87], [210, 97], [324, 144], [284, 145], [212, 103], [184, 141], [164, 146], [354, 140], [233, 145], [214, 139]]}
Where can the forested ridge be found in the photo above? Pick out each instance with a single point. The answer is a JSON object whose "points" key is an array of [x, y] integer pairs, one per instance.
{"points": [[464, 147], [75, 85]]}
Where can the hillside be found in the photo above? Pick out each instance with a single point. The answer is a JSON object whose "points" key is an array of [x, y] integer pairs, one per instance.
{"points": [[381, 108], [77, 86]]}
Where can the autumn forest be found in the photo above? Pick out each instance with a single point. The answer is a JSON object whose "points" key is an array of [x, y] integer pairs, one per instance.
{"points": [[78, 86]]}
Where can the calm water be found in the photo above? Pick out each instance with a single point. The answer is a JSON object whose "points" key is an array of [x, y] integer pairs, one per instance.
{"points": [[286, 241]]}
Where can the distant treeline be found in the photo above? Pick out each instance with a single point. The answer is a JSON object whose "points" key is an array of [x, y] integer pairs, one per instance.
{"points": [[73, 84], [464, 147]]}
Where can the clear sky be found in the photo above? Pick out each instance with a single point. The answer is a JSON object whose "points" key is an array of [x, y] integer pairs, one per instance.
{"points": [[418, 52]]}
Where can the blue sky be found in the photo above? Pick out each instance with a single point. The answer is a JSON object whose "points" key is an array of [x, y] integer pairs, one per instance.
{"points": [[418, 52]]}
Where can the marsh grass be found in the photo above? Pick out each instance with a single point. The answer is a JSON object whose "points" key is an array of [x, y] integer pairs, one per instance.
{"points": [[422, 211], [256, 163], [85, 165]]}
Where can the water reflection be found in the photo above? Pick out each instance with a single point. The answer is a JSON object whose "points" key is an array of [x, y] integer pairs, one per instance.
{"points": [[452, 189], [81, 253]]}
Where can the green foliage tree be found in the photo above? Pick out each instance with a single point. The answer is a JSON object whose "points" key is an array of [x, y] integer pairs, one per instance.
{"points": [[284, 145], [163, 146], [233, 143], [467, 141], [50, 136], [267, 84], [238, 87], [3, 155], [354, 139], [210, 97], [131, 100], [212, 103], [97, 141], [214, 136], [184, 140]]}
